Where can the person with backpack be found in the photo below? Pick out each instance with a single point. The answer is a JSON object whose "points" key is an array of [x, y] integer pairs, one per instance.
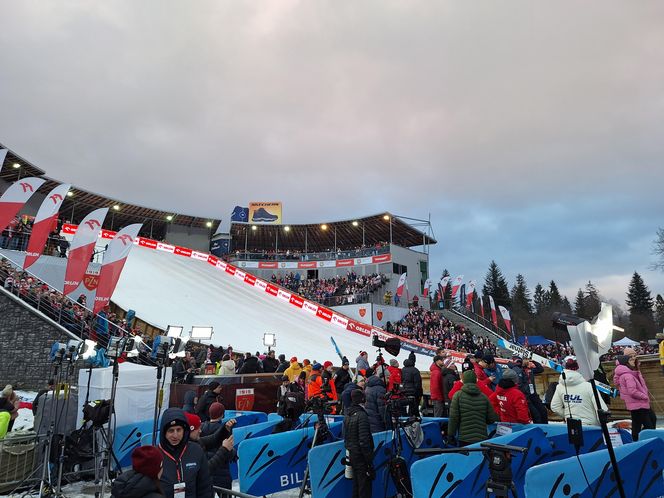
{"points": [[143, 480]]}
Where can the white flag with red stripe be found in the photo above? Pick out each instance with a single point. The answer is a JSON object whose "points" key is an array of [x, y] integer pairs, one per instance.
{"points": [[494, 316], [114, 260], [480, 298], [82, 247], [506, 318], [15, 197], [45, 223], [455, 286], [470, 292], [427, 288], [402, 283]]}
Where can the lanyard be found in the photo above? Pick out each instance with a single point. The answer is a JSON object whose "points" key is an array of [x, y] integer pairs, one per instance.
{"points": [[178, 462]]}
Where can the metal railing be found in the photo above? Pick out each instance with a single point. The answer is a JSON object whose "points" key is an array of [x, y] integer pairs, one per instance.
{"points": [[481, 321], [308, 256], [18, 458], [57, 247]]}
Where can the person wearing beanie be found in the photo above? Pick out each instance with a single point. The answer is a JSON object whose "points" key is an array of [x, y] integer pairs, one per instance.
{"points": [[634, 392], [283, 364], [629, 351], [270, 363], [307, 367], [411, 383], [375, 405], [143, 480], [362, 361], [185, 465], [212, 394], [468, 366], [346, 400], [574, 397], [395, 375], [359, 445], [526, 370], [293, 371], [216, 412], [492, 370], [660, 338], [328, 380], [251, 365], [470, 413], [509, 402], [342, 376], [436, 388]]}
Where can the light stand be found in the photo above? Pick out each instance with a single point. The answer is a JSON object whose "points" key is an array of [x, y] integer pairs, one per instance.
{"points": [[269, 340], [162, 354]]}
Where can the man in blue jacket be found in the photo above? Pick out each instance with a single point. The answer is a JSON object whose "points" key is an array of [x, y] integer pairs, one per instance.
{"points": [[186, 473]]}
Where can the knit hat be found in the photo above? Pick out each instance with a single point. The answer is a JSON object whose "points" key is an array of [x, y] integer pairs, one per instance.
{"points": [[282, 357], [147, 460], [357, 396], [509, 374], [213, 385], [193, 420], [629, 351], [469, 377], [571, 363], [305, 362], [437, 358], [360, 379], [623, 359], [293, 359], [317, 366], [394, 362], [344, 361], [327, 364], [659, 335], [489, 359], [216, 410], [478, 355]]}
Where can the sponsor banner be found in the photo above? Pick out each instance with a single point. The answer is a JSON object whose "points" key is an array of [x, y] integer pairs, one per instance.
{"points": [[230, 269], [108, 234], [249, 279], [359, 328], [268, 213], [45, 221], [183, 251], [345, 262], [339, 321], [310, 307], [383, 258], [81, 249], [240, 274], [296, 301], [358, 312], [91, 280], [15, 197], [212, 260], [200, 256], [268, 264], [149, 243], [324, 313], [260, 284], [306, 264], [161, 246], [516, 349], [417, 349], [284, 295], [272, 289], [221, 264]]}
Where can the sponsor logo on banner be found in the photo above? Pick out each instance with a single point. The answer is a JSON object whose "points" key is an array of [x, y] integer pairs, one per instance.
{"points": [[267, 264], [339, 321], [359, 328], [344, 262], [230, 269], [362, 312], [523, 352], [383, 258], [358, 261], [90, 281], [379, 315], [260, 284], [212, 260], [200, 256], [283, 295], [221, 264], [311, 308], [296, 301], [283, 265], [324, 313], [240, 274], [68, 229], [265, 212], [249, 279], [149, 243], [244, 399], [165, 247], [308, 264], [182, 251], [108, 234], [272, 289]]}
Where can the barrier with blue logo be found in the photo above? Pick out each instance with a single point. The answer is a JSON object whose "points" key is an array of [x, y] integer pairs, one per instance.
{"points": [[640, 467]]}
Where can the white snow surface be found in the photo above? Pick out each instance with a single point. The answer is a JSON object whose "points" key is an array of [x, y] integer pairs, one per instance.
{"points": [[166, 289]]}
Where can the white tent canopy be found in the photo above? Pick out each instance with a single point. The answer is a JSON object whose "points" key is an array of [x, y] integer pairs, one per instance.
{"points": [[626, 341]]}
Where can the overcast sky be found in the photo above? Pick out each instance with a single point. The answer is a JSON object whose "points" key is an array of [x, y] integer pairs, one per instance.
{"points": [[532, 132]]}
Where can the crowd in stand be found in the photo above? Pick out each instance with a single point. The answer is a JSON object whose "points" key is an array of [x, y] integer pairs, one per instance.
{"points": [[17, 234], [335, 291], [331, 253]]}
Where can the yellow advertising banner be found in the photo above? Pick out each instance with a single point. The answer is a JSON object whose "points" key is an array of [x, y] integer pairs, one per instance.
{"points": [[265, 212]]}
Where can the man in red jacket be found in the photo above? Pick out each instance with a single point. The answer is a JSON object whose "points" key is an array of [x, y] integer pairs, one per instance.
{"points": [[436, 386], [509, 402], [483, 386]]}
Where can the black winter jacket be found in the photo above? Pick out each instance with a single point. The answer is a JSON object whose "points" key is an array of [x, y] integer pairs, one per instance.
{"points": [[203, 405], [357, 434], [131, 484], [449, 378], [375, 405], [270, 364], [283, 365], [341, 379], [345, 395], [185, 463], [251, 365], [219, 458], [411, 380]]}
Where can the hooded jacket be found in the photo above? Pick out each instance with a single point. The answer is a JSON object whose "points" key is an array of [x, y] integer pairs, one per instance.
{"points": [[357, 434], [188, 405], [227, 367], [482, 386], [131, 484], [293, 372], [470, 414], [345, 395], [632, 386], [577, 397], [375, 405], [362, 363], [251, 365], [184, 463], [411, 379], [204, 402], [219, 458], [436, 382], [510, 403]]}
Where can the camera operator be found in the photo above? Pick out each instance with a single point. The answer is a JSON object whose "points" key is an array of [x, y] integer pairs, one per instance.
{"points": [[359, 443]]}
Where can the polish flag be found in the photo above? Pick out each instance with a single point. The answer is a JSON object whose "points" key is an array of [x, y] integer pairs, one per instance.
{"points": [[456, 285], [480, 297], [402, 283], [16, 196], [114, 260], [494, 317], [82, 247], [46, 218], [470, 294], [427, 287], [506, 317]]}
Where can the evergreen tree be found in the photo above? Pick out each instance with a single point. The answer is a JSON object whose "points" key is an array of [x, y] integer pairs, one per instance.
{"points": [[580, 305], [495, 285], [520, 295], [567, 307], [447, 292], [640, 303], [539, 300], [593, 300], [659, 313], [555, 300]]}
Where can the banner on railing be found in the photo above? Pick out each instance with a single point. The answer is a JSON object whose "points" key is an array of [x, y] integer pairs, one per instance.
{"points": [[455, 286], [81, 249], [46, 218], [15, 197], [504, 312], [494, 316]]}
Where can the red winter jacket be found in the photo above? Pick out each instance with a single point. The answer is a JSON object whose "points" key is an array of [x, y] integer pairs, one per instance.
{"points": [[511, 405], [480, 373], [395, 377], [483, 386], [436, 383]]}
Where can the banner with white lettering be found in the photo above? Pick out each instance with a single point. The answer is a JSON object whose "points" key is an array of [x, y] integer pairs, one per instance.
{"points": [[15, 197], [45, 222], [82, 247]]}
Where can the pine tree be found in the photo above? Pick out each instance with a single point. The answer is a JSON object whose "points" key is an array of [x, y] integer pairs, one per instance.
{"points": [[567, 307], [447, 292], [495, 285], [659, 313], [555, 300], [580, 305], [593, 300], [521, 301], [640, 303], [539, 300]]}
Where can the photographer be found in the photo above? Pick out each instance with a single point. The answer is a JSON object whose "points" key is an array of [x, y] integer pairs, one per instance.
{"points": [[359, 443]]}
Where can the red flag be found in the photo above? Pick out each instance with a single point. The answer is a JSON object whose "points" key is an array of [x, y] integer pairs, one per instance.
{"points": [[402, 283], [456, 285], [481, 299], [427, 286], [494, 316], [82, 247], [114, 260], [43, 226], [470, 293], [15, 197], [506, 317]]}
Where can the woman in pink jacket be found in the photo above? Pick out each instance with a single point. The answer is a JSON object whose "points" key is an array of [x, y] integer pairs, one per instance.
{"points": [[634, 393]]}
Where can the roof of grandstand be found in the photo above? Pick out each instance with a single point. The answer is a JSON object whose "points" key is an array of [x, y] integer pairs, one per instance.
{"points": [[79, 203], [344, 234]]}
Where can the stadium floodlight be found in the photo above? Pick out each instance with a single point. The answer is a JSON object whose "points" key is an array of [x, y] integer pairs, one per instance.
{"points": [[70, 194], [269, 340], [178, 349], [208, 224], [386, 217], [355, 223], [286, 228], [323, 226], [174, 331], [88, 349], [204, 333], [116, 207], [16, 165], [254, 227], [169, 217]]}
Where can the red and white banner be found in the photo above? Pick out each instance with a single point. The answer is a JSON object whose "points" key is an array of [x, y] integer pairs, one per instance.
{"points": [[480, 298], [455, 286], [427, 286], [506, 317], [114, 260], [494, 316], [45, 222], [402, 283], [82, 247], [470, 294], [15, 197]]}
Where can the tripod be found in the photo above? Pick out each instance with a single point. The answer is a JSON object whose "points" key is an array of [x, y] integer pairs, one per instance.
{"points": [[107, 452], [158, 400]]}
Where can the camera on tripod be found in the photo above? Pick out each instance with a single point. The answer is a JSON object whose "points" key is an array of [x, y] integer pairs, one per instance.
{"points": [[321, 404]]}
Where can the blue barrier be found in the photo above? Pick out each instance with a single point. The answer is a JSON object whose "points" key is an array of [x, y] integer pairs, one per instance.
{"points": [[640, 468], [128, 437], [274, 463], [651, 433]]}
